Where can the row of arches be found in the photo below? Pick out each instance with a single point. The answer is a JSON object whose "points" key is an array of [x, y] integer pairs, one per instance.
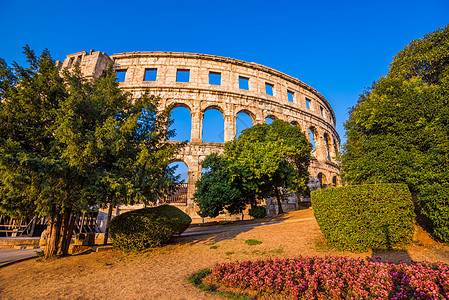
{"points": [[326, 182], [212, 124], [187, 173], [213, 128], [182, 170]]}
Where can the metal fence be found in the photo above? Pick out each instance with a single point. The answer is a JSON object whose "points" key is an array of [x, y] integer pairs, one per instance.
{"points": [[10, 227], [178, 196]]}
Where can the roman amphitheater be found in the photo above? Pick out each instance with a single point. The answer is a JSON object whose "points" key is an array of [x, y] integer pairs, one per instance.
{"points": [[201, 82]]}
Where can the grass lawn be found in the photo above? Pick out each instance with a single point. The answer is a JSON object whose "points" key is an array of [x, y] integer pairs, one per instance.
{"points": [[163, 273]]}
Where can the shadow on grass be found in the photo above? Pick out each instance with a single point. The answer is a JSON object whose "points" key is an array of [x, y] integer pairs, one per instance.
{"points": [[228, 231], [394, 256]]}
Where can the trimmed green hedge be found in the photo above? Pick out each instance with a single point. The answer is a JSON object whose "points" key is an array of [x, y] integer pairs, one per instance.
{"points": [[434, 199], [361, 217], [257, 212], [147, 227]]}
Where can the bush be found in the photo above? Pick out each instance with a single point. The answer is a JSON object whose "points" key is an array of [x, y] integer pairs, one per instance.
{"points": [[334, 278], [147, 227], [258, 212], [360, 217], [434, 198]]}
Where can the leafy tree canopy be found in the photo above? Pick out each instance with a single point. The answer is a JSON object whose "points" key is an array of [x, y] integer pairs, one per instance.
{"points": [[399, 130], [262, 160], [67, 145]]}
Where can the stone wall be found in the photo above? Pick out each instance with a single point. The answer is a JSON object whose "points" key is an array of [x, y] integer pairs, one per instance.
{"points": [[198, 96]]}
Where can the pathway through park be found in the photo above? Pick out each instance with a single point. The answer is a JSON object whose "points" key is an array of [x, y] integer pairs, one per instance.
{"points": [[162, 273]]}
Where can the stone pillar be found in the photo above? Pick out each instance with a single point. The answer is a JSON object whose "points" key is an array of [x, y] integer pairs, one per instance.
{"points": [[259, 120], [332, 153], [197, 127], [327, 147], [335, 149], [320, 146], [229, 127], [194, 176]]}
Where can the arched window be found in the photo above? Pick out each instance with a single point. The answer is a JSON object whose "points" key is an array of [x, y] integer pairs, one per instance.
{"points": [[326, 143], [181, 169], [179, 194], [312, 137], [336, 147], [243, 122], [213, 126], [269, 119], [323, 180], [182, 124]]}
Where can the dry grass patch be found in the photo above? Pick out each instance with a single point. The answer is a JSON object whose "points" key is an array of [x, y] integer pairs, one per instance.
{"points": [[162, 273]]}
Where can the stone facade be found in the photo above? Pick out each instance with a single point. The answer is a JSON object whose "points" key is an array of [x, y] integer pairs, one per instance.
{"points": [[309, 109]]}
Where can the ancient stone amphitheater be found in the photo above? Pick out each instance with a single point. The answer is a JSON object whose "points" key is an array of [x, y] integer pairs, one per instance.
{"points": [[237, 87]]}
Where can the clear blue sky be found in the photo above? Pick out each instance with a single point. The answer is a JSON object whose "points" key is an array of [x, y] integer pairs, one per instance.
{"points": [[337, 47]]}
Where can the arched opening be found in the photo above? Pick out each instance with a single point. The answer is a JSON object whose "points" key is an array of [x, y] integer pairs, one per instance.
{"points": [[179, 195], [294, 123], [182, 124], [312, 137], [336, 150], [269, 119], [243, 122], [181, 169], [334, 181], [213, 126], [323, 181], [327, 147]]}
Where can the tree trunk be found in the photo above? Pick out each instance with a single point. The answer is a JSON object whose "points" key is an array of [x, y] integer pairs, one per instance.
{"points": [[53, 234], [106, 232], [253, 201], [278, 198], [67, 238], [64, 230]]}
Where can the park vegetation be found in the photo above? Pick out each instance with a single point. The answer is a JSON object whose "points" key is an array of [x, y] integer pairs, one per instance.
{"points": [[368, 216], [262, 161], [147, 227], [68, 145], [399, 130], [326, 278]]}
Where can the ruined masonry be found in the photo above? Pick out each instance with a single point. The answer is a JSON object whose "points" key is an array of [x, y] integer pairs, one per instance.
{"points": [[291, 100]]}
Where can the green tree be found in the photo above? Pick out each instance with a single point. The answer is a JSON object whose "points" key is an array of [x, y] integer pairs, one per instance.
{"points": [[399, 130], [120, 141], [67, 145], [264, 159], [218, 190]]}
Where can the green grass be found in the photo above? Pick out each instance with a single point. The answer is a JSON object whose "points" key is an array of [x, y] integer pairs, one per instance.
{"points": [[214, 247], [252, 242], [323, 245], [196, 280], [279, 250], [229, 252], [421, 244]]}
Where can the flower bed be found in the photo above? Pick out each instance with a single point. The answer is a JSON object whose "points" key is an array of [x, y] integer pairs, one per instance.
{"points": [[337, 278]]}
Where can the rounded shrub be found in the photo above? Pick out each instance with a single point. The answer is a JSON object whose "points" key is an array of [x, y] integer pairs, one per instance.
{"points": [[361, 217], [147, 227], [257, 212]]}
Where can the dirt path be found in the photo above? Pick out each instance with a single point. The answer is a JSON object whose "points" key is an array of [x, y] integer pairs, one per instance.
{"points": [[162, 273]]}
